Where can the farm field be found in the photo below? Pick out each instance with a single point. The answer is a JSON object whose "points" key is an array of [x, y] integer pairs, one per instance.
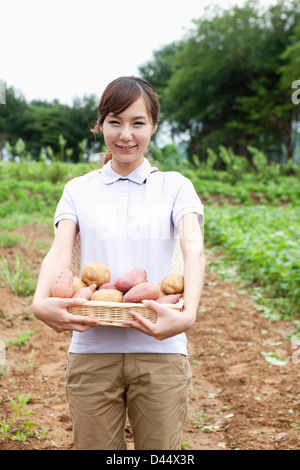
{"points": [[243, 348]]}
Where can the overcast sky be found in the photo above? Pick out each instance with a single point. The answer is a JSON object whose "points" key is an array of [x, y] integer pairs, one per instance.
{"points": [[68, 48]]}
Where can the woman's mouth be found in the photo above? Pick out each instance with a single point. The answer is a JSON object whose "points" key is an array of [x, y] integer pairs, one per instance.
{"points": [[126, 148]]}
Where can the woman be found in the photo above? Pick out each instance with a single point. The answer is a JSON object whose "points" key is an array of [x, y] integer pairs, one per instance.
{"points": [[129, 215]]}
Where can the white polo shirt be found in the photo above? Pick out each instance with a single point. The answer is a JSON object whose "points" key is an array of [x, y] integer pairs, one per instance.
{"points": [[126, 223]]}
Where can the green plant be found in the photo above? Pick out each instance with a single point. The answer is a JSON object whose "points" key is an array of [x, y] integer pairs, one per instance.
{"points": [[21, 338], [265, 171], [235, 165], [18, 427], [18, 279], [263, 242]]}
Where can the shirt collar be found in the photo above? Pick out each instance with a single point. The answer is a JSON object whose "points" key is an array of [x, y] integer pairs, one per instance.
{"points": [[139, 175]]}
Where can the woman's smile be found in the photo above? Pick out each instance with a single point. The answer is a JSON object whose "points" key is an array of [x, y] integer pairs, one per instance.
{"points": [[126, 148]]}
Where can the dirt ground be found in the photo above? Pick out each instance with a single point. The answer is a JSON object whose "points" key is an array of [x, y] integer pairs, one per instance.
{"points": [[237, 400]]}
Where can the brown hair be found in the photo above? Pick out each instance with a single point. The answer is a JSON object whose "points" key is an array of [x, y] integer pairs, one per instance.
{"points": [[121, 93]]}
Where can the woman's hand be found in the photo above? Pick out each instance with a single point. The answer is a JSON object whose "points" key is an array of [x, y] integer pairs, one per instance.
{"points": [[170, 322], [53, 311]]}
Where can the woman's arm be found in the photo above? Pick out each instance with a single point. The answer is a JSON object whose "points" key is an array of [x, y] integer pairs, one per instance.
{"points": [[51, 310], [191, 243], [171, 322]]}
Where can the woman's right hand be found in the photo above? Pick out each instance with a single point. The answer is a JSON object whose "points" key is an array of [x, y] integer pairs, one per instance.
{"points": [[53, 311]]}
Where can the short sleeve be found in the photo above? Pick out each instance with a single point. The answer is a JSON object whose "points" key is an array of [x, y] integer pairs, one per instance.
{"points": [[66, 208], [186, 201]]}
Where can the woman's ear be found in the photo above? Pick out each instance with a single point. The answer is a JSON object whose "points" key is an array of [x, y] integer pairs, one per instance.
{"points": [[154, 129]]}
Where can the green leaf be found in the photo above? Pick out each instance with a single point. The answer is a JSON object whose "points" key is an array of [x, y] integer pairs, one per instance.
{"points": [[274, 359]]}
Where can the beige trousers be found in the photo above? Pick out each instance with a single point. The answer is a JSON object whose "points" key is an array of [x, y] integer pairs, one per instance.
{"points": [[152, 387]]}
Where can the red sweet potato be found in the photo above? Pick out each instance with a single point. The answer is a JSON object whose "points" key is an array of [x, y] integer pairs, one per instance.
{"points": [[108, 285], [86, 292], [169, 299], [63, 286], [128, 280], [142, 291]]}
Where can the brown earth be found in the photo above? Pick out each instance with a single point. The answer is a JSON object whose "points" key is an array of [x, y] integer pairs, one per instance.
{"points": [[238, 400]]}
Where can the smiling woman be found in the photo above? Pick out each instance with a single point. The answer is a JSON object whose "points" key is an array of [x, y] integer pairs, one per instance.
{"points": [[129, 215], [127, 115]]}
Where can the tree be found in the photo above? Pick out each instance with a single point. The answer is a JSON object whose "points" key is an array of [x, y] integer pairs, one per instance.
{"points": [[12, 117], [223, 83], [39, 124]]}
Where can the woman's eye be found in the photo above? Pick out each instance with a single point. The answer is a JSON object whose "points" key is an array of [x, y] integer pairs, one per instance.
{"points": [[114, 122], [139, 123]]}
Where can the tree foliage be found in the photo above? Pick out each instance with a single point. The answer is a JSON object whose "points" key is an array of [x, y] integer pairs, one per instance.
{"points": [[229, 81], [62, 131]]}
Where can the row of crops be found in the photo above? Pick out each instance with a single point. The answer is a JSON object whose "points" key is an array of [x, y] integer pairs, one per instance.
{"points": [[264, 242], [256, 223]]}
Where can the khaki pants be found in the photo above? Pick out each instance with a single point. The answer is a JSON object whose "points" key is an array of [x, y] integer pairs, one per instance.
{"points": [[152, 387]]}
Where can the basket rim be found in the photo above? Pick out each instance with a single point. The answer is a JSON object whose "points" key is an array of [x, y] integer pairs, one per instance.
{"points": [[126, 305], [114, 313]]}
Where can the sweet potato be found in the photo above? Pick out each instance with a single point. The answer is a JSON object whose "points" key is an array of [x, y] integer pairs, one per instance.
{"points": [[172, 284], [108, 295], [63, 286], [128, 280], [77, 284], [108, 285], [142, 291], [169, 299], [95, 273], [86, 292]]}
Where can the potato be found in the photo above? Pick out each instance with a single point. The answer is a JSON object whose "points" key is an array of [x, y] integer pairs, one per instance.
{"points": [[63, 286], [77, 284], [108, 295], [95, 273], [172, 284], [85, 292], [108, 285], [169, 299], [161, 292], [142, 291], [128, 280]]}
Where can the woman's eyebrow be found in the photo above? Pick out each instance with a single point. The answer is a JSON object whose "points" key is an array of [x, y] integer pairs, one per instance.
{"points": [[134, 118], [140, 117]]}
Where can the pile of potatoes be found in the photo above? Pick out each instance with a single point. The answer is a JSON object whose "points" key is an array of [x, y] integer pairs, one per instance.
{"points": [[95, 283]]}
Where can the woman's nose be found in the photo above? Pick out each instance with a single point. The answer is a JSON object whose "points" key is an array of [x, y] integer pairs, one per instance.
{"points": [[125, 133]]}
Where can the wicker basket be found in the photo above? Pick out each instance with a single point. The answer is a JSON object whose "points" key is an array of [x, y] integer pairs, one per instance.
{"points": [[114, 313]]}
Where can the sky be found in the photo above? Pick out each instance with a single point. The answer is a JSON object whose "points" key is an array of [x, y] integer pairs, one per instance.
{"points": [[63, 49]]}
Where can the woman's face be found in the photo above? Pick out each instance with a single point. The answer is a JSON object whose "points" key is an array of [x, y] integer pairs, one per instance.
{"points": [[127, 136]]}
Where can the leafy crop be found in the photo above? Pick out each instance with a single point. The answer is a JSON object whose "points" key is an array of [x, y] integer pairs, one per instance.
{"points": [[263, 240]]}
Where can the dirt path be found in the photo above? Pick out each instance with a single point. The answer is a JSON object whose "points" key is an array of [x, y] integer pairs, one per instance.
{"points": [[237, 399]]}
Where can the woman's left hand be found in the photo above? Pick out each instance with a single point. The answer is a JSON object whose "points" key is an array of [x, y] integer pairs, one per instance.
{"points": [[170, 322]]}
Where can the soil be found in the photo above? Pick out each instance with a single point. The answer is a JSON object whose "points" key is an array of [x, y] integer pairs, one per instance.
{"points": [[237, 400]]}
